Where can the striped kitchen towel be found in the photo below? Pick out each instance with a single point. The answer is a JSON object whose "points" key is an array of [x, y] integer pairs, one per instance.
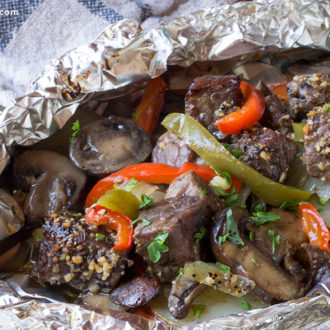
{"points": [[33, 32]]}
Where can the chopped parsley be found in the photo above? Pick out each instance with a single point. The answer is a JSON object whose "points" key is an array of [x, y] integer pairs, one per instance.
{"points": [[275, 239], [322, 201], [232, 200], [251, 236], [147, 201], [100, 237], [198, 310], [134, 116], [76, 215], [145, 222], [254, 261], [157, 246], [245, 305], [232, 229], [235, 152], [131, 184], [224, 268], [319, 210], [225, 174], [260, 218], [203, 191], [260, 207], [201, 234], [327, 108], [180, 273], [223, 238], [75, 129], [290, 204], [221, 192]]}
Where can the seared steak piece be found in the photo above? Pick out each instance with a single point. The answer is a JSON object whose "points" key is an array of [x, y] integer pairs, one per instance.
{"points": [[171, 150], [183, 292], [268, 151], [181, 218], [275, 115], [249, 261], [136, 292], [306, 92], [317, 143], [291, 237], [212, 97], [72, 253], [190, 184]]}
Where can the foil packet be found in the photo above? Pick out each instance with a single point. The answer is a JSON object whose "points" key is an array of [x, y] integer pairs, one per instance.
{"points": [[117, 62]]}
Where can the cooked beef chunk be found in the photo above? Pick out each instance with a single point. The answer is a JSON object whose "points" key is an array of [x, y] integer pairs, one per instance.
{"points": [[275, 115], [171, 150], [289, 228], [317, 143], [190, 184], [249, 261], [72, 253], [319, 263], [183, 292], [136, 292], [212, 97], [306, 92], [181, 218], [268, 151]]}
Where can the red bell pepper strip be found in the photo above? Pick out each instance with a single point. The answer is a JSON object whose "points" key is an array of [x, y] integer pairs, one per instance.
{"points": [[148, 111], [314, 226], [98, 215], [280, 90], [154, 173], [251, 111]]}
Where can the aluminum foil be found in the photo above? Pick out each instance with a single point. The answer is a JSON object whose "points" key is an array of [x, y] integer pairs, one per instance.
{"points": [[121, 57]]}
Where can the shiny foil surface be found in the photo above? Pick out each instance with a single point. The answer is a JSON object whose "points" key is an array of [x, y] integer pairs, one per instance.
{"points": [[115, 64]]}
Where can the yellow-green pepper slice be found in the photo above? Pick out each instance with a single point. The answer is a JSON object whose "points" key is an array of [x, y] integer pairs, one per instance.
{"points": [[298, 129], [213, 152], [120, 201]]}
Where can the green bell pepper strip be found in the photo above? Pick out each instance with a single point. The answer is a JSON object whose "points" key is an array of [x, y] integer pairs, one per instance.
{"points": [[214, 153]]}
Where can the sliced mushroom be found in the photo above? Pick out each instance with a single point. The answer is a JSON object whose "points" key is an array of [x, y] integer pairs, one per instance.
{"points": [[52, 183], [248, 261], [108, 145], [11, 215]]}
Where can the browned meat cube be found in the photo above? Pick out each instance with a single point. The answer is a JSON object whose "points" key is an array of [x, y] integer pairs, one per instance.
{"points": [[268, 151], [275, 115], [317, 143], [190, 184], [306, 92], [180, 218], [212, 97], [171, 150], [80, 255]]}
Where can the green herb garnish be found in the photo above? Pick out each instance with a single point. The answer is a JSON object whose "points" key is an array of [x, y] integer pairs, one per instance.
{"points": [[134, 222], [224, 268], [260, 218], [100, 237], [147, 201], [145, 222], [322, 201], [245, 305], [275, 239], [291, 205], [198, 310], [260, 207], [254, 261], [327, 108], [232, 229], [157, 247], [134, 116], [203, 191], [201, 234], [181, 270], [232, 200], [235, 152], [251, 236], [75, 129], [223, 238]]}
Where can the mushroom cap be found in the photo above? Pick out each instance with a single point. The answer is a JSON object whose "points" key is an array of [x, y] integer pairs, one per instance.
{"points": [[52, 183], [108, 145]]}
